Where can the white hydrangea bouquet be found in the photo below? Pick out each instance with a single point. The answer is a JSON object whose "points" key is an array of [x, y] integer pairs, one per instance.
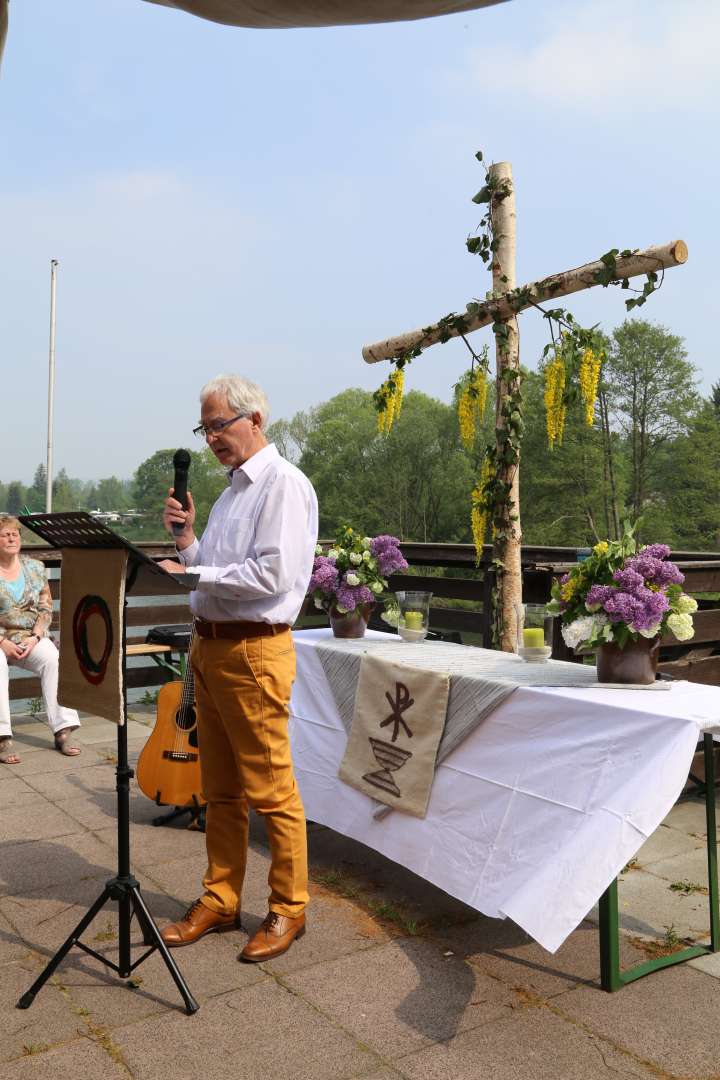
{"points": [[354, 571], [622, 593]]}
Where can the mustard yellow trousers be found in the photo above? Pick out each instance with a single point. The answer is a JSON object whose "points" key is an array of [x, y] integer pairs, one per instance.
{"points": [[242, 690]]}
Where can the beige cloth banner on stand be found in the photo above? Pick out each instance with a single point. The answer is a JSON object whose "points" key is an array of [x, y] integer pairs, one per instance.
{"points": [[92, 594], [397, 724]]}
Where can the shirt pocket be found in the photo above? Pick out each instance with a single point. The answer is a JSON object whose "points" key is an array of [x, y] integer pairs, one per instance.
{"points": [[234, 540]]}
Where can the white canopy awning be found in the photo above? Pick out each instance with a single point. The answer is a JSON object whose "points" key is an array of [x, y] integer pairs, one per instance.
{"points": [[276, 14]]}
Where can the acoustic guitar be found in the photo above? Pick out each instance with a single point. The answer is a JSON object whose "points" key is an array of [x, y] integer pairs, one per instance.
{"points": [[168, 769]]}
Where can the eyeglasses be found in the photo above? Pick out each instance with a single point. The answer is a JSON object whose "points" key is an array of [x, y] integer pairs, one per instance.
{"points": [[216, 426]]}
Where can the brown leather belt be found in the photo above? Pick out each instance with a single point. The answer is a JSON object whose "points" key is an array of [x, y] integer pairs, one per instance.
{"points": [[237, 631]]}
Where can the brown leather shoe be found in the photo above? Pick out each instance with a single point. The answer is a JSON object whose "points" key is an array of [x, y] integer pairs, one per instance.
{"points": [[197, 921], [274, 937]]}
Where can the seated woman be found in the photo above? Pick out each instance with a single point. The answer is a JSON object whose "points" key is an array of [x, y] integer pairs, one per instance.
{"points": [[25, 617]]}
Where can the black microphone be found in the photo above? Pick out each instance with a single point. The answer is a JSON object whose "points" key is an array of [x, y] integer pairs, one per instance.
{"points": [[181, 461]]}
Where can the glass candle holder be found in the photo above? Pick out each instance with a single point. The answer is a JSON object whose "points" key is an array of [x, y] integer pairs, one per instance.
{"points": [[414, 617], [536, 639]]}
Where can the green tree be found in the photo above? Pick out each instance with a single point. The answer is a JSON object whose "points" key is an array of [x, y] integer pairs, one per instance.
{"points": [[65, 492], [652, 396], [563, 491], [153, 478], [689, 479], [36, 493], [15, 500], [108, 494], [715, 398], [290, 436], [414, 483]]}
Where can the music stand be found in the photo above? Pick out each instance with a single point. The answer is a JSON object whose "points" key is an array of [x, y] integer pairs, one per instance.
{"points": [[78, 529]]}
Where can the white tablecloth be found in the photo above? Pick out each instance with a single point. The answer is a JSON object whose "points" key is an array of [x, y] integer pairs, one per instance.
{"points": [[537, 811]]}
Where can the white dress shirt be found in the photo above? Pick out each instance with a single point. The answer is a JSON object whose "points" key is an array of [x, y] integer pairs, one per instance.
{"points": [[256, 554]]}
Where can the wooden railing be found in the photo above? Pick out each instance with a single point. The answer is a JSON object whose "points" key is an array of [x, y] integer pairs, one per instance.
{"points": [[450, 572]]}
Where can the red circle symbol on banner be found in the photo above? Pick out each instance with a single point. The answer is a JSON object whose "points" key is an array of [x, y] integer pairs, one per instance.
{"points": [[92, 669]]}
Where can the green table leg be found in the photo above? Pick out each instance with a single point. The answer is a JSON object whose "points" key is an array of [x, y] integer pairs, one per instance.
{"points": [[611, 976]]}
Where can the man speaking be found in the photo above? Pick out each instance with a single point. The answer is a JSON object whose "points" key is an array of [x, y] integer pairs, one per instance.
{"points": [[254, 563]]}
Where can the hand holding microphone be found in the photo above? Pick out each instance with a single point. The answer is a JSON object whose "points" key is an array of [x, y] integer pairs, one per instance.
{"points": [[179, 514]]}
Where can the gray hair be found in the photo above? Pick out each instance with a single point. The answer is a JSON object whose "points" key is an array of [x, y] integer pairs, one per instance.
{"points": [[242, 395]]}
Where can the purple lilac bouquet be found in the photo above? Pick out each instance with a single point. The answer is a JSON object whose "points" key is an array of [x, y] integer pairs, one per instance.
{"points": [[354, 570], [621, 594]]}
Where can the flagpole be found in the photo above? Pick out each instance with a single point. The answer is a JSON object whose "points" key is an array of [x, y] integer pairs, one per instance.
{"points": [[51, 389]]}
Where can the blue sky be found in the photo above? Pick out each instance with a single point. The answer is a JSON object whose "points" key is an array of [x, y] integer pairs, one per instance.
{"points": [[267, 202]]}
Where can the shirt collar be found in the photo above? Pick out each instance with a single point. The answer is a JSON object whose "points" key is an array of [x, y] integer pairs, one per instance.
{"points": [[254, 466]]}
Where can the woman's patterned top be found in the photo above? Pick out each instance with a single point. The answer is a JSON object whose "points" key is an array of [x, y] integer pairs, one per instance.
{"points": [[32, 613]]}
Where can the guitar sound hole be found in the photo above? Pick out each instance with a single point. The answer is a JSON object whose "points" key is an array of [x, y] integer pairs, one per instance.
{"points": [[185, 717]]}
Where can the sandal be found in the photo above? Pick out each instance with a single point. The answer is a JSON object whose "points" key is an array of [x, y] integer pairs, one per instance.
{"points": [[7, 754], [61, 738]]}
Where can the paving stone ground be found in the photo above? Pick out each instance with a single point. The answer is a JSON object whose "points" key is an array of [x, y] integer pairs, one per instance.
{"points": [[394, 979]]}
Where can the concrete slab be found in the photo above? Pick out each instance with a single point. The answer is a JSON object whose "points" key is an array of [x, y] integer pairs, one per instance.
{"points": [[336, 928], [504, 951], [36, 821], [73, 783], [35, 765], [181, 877], [649, 906], [689, 866], [668, 1019], [689, 817], [44, 918], [209, 967], [262, 1031], [531, 1044], [98, 811], [41, 863], [403, 995], [106, 732], [664, 844], [81, 1059], [150, 846], [380, 879], [709, 965], [15, 791], [11, 945], [48, 1021], [181, 873], [360, 996], [384, 1074]]}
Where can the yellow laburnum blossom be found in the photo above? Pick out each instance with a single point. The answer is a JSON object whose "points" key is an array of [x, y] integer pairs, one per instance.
{"points": [[480, 514], [392, 389], [554, 400], [399, 380], [589, 376], [471, 406], [568, 589]]}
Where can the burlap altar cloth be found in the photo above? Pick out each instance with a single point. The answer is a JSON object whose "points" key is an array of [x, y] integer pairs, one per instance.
{"points": [[397, 724], [92, 593], [470, 698], [480, 680]]}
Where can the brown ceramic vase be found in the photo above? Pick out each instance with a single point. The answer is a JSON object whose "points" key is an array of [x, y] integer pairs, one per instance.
{"points": [[350, 625], [636, 663]]}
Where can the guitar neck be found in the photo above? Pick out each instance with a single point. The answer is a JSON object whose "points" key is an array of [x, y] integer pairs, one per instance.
{"points": [[187, 696]]}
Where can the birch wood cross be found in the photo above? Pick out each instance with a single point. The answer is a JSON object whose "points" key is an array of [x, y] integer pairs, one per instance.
{"points": [[501, 310]]}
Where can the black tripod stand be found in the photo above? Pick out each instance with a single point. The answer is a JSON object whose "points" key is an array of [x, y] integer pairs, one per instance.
{"points": [[71, 530]]}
